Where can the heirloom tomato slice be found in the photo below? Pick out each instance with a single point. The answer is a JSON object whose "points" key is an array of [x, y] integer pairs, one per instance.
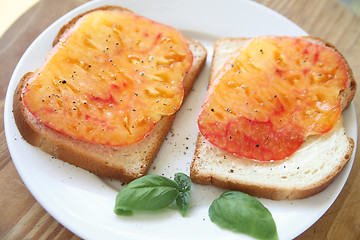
{"points": [[271, 94], [110, 78]]}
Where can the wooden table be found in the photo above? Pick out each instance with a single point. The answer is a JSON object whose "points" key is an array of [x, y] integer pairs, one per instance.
{"points": [[21, 216]]}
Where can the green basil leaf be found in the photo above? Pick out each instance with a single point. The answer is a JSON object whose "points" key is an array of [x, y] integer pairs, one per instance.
{"points": [[184, 197], [150, 192], [183, 181], [183, 202], [240, 212]]}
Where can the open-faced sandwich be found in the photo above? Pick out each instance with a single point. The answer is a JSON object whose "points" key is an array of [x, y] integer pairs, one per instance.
{"points": [[271, 123], [107, 93]]}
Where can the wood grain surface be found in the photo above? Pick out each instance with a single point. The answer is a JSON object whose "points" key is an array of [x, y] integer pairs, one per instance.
{"points": [[21, 216]]}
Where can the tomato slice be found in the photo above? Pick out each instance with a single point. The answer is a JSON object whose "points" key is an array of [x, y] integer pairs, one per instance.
{"points": [[110, 79], [270, 95]]}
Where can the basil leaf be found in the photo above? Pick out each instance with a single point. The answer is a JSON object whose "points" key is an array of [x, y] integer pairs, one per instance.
{"points": [[184, 197], [150, 192], [240, 212], [183, 181], [183, 202]]}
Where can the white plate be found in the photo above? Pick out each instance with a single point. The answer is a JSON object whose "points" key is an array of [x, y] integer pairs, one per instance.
{"points": [[84, 203]]}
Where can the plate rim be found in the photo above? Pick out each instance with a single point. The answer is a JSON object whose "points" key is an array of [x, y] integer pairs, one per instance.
{"points": [[82, 8]]}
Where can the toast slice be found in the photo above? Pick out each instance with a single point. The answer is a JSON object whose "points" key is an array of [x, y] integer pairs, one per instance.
{"points": [[305, 173], [124, 163]]}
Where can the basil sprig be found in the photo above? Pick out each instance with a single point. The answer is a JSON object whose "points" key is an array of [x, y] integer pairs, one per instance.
{"points": [[153, 192], [240, 212], [233, 210]]}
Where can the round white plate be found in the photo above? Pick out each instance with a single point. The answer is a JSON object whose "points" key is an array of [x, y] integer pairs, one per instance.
{"points": [[84, 203]]}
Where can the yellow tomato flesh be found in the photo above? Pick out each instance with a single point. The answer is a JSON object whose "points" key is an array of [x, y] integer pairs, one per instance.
{"points": [[110, 79], [270, 95]]}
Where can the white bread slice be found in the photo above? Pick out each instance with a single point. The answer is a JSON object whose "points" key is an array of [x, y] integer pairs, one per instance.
{"points": [[124, 163], [305, 173]]}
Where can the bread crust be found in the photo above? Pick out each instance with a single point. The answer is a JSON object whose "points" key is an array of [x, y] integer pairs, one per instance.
{"points": [[274, 191], [124, 163]]}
